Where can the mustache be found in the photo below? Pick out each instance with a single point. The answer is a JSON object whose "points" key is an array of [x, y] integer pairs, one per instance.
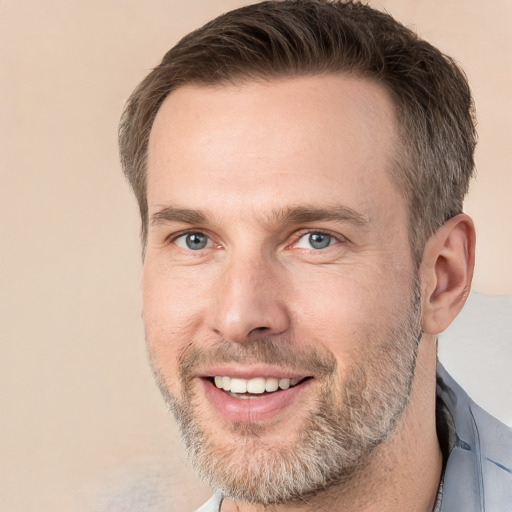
{"points": [[262, 350]]}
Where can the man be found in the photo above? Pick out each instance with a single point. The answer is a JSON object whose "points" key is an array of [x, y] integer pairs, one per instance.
{"points": [[300, 168]]}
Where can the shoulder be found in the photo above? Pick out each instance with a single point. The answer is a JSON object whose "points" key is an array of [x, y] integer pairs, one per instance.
{"points": [[478, 472]]}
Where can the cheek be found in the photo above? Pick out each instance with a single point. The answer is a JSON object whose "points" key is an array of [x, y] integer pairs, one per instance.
{"points": [[171, 314], [171, 297], [346, 312]]}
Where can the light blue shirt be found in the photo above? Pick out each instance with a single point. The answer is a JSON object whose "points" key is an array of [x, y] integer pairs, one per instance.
{"points": [[478, 475]]}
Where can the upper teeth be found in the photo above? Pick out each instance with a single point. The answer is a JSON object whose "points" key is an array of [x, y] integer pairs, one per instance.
{"points": [[257, 385]]}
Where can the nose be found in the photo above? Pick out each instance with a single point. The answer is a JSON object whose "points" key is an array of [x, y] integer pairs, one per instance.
{"points": [[248, 300]]}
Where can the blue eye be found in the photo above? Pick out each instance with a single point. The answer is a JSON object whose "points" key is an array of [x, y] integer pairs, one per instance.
{"points": [[314, 240], [192, 241]]}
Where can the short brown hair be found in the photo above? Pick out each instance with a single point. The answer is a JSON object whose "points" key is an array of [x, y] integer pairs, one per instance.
{"points": [[276, 39]]}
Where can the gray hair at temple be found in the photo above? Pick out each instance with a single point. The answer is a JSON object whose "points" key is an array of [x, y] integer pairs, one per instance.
{"points": [[292, 38]]}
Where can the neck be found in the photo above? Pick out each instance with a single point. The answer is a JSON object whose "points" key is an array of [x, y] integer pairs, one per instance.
{"points": [[402, 474]]}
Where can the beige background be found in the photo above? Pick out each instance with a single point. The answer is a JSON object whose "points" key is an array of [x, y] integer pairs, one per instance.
{"points": [[82, 426]]}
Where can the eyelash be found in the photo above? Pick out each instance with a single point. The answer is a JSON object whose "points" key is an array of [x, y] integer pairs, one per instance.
{"points": [[175, 236], [296, 238], [336, 237]]}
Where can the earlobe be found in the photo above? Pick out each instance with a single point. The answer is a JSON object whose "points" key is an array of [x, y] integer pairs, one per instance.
{"points": [[446, 272]]}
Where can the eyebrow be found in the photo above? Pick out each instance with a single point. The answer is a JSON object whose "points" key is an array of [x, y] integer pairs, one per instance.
{"points": [[306, 214], [288, 215], [168, 214]]}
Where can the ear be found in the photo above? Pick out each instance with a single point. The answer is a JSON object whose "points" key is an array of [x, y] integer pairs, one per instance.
{"points": [[446, 272]]}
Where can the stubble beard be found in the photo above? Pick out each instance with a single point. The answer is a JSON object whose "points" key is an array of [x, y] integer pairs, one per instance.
{"points": [[351, 417]]}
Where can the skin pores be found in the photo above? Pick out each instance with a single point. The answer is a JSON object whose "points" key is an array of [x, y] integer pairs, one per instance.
{"points": [[278, 249]]}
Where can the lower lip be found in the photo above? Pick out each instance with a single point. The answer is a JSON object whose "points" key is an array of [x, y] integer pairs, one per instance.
{"points": [[252, 410]]}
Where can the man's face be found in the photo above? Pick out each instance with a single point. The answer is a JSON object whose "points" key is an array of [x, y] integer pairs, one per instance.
{"points": [[278, 267]]}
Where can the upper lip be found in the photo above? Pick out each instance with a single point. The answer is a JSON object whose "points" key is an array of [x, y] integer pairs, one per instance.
{"points": [[250, 372]]}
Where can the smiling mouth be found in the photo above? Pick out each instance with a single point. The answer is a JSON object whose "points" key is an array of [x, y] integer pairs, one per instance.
{"points": [[252, 388]]}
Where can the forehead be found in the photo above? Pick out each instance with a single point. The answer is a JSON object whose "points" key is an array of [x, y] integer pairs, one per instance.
{"points": [[291, 139]]}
